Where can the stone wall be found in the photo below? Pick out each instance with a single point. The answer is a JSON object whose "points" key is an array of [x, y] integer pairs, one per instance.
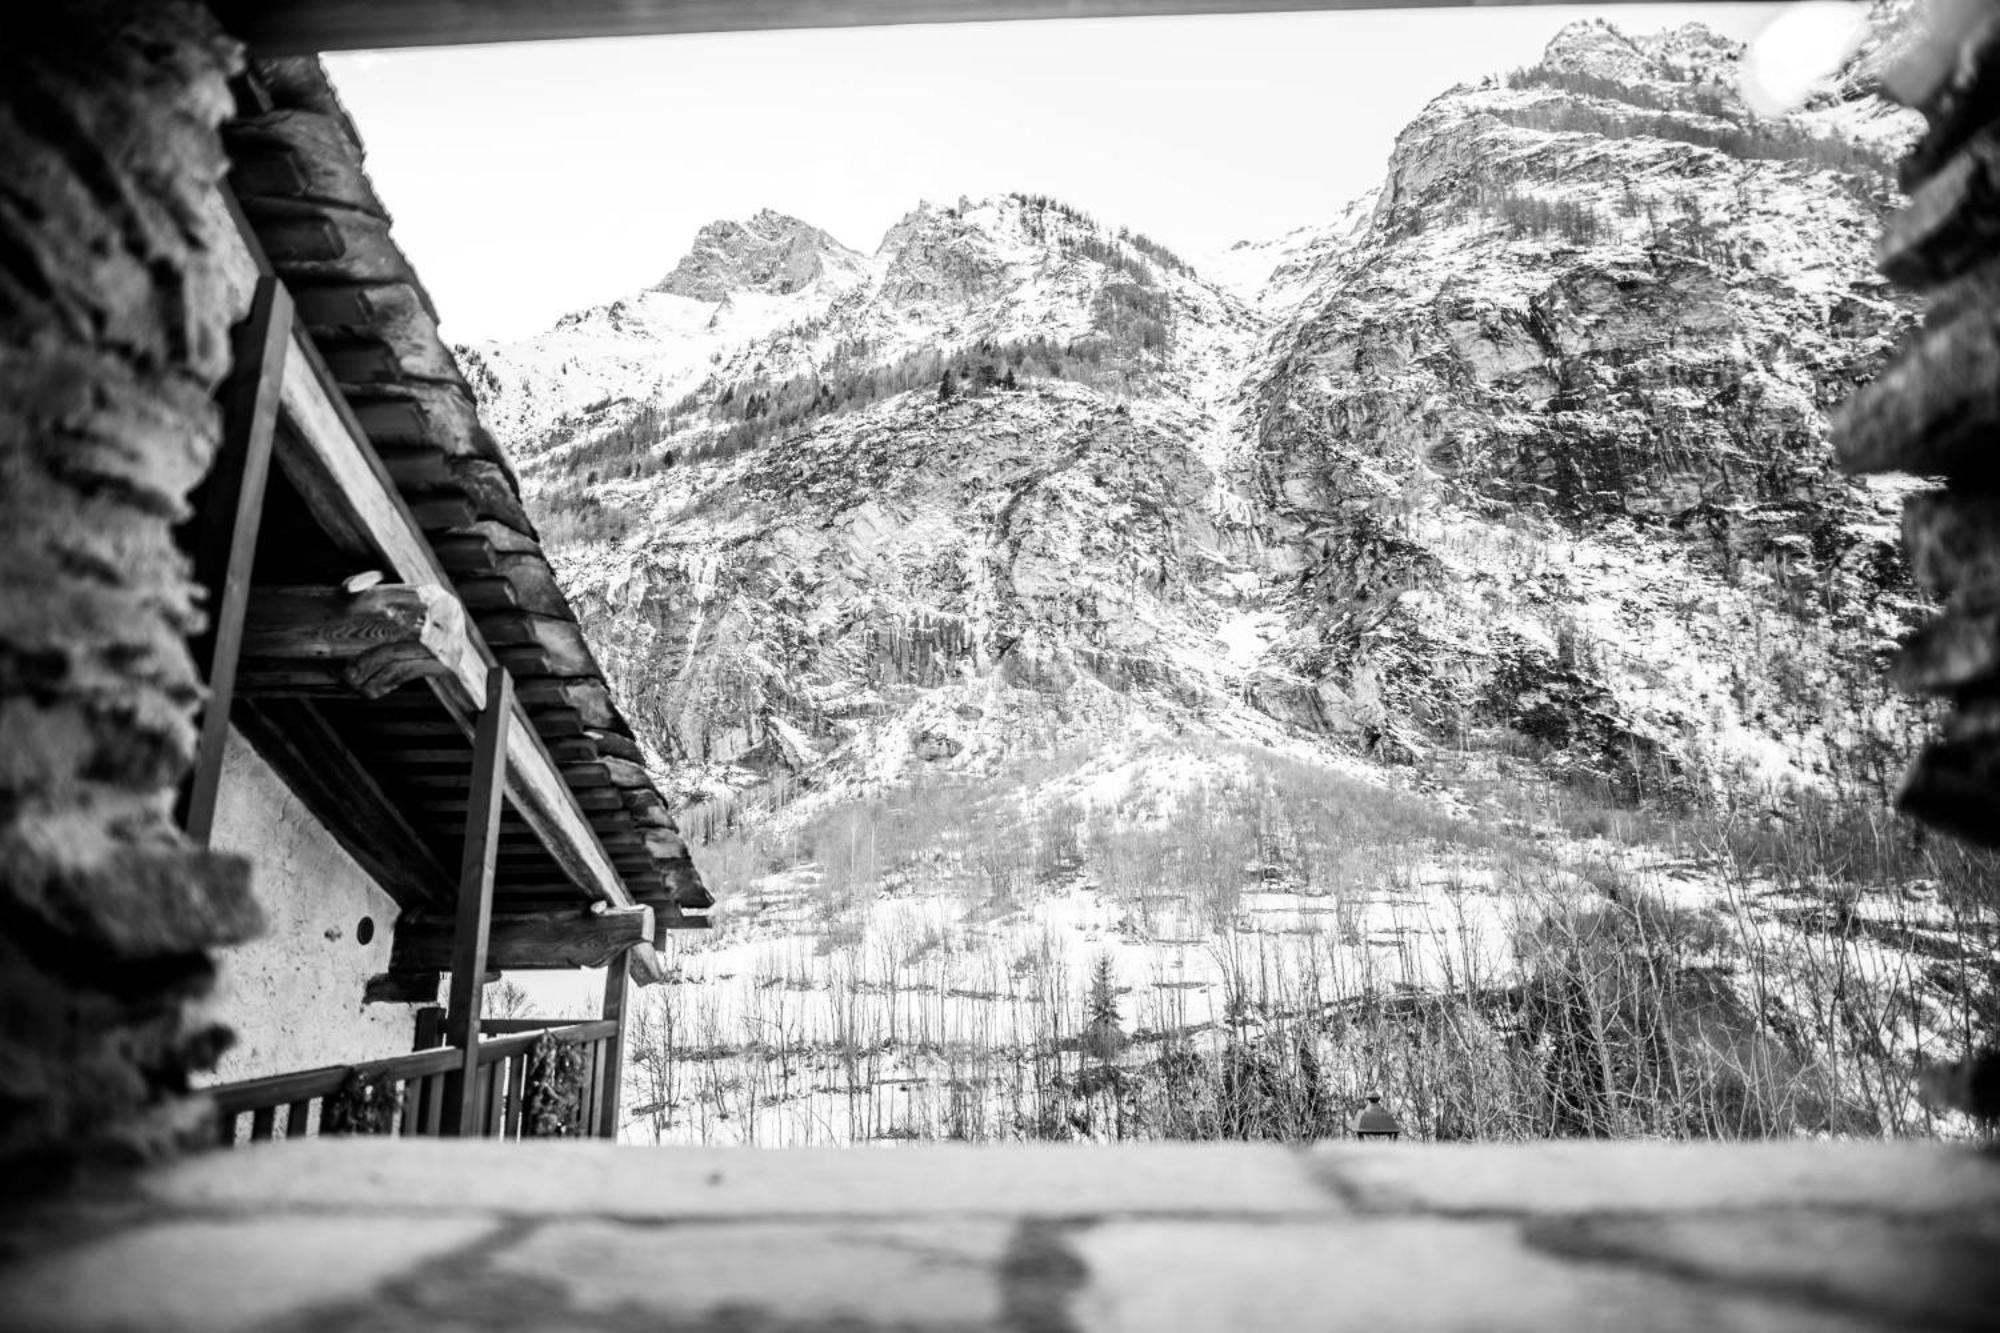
{"points": [[113, 335], [1934, 411], [293, 996]]}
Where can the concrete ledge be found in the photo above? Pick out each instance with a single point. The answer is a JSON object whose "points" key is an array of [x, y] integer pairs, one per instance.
{"points": [[351, 1234]]}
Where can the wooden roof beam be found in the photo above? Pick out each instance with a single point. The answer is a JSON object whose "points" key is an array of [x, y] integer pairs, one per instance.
{"points": [[299, 27], [523, 941], [367, 642]]}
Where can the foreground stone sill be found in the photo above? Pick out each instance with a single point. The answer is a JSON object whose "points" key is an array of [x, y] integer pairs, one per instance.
{"points": [[352, 1234]]}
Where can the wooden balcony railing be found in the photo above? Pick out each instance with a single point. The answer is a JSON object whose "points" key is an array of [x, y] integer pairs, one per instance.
{"points": [[293, 1105]]}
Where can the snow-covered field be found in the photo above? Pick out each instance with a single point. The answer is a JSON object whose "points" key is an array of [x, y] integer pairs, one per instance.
{"points": [[918, 978]]}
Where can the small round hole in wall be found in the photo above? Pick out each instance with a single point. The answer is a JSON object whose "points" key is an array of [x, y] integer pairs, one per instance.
{"points": [[365, 932]]}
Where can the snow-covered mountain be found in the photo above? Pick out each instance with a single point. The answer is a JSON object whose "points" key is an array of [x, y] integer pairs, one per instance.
{"points": [[1429, 612], [1529, 443]]}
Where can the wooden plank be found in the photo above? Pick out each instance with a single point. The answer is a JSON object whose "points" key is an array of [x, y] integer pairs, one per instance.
{"points": [[437, 1101], [263, 1121], [231, 514], [526, 940], [303, 27], [401, 988], [475, 900], [617, 985]]}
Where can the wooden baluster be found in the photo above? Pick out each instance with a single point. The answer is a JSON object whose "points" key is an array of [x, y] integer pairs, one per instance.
{"points": [[262, 1121], [298, 1119], [475, 899], [413, 1107], [517, 1090], [225, 1130], [496, 1098], [437, 1094]]}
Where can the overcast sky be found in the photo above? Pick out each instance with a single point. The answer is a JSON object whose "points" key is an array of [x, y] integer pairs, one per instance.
{"points": [[534, 179]]}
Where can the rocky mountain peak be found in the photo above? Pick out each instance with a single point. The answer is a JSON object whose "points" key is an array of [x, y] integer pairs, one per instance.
{"points": [[1690, 53], [771, 252]]}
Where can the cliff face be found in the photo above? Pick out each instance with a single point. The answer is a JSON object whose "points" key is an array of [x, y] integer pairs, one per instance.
{"points": [[1546, 444], [1528, 450]]}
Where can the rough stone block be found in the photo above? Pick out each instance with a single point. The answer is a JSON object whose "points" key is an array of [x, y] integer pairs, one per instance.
{"points": [[696, 1183], [212, 1276], [1668, 1177], [1954, 545], [924, 1272], [134, 903], [1428, 1274], [1936, 1272], [1933, 411]]}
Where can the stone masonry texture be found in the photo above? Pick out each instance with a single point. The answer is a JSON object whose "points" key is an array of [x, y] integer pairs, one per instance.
{"points": [[114, 332], [332, 1235]]}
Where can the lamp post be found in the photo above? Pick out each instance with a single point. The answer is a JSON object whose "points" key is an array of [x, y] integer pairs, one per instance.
{"points": [[1376, 1123]]}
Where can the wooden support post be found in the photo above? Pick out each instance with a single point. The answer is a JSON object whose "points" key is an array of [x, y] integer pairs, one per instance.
{"points": [[225, 531], [475, 901], [616, 974]]}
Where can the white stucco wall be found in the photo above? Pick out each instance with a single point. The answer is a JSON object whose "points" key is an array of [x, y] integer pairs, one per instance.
{"points": [[294, 995]]}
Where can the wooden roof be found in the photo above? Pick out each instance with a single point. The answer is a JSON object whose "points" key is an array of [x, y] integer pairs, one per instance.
{"points": [[290, 27], [297, 174]]}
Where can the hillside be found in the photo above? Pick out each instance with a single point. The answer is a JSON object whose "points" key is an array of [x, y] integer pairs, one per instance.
{"points": [[1127, 698]]}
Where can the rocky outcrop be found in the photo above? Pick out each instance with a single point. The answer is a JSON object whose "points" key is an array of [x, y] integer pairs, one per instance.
{"points": [[1550, 437], [770, 253]]}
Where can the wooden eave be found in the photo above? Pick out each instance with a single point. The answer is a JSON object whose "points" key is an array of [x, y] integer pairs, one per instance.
{"points": [[296, 27], [380, 440]]}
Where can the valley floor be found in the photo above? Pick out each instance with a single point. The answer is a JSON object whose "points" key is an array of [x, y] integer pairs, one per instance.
{"points": [[1216, 940]]}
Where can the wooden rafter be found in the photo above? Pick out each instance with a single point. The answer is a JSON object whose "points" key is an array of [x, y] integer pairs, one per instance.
{"points": [[226, 540], [323, 769], [366, 643]]}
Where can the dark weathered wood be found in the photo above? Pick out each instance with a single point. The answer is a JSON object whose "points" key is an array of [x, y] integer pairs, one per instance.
{"points": [[329, 777], [299, 1118], [526, 940], [230, 513], [302, 27], [617, 985], [475, 896], [369, 642], [263, 1121], [401, 988]]}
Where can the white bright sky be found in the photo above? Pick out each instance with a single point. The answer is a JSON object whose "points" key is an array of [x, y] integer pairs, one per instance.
{"points": [[530, 180]]}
